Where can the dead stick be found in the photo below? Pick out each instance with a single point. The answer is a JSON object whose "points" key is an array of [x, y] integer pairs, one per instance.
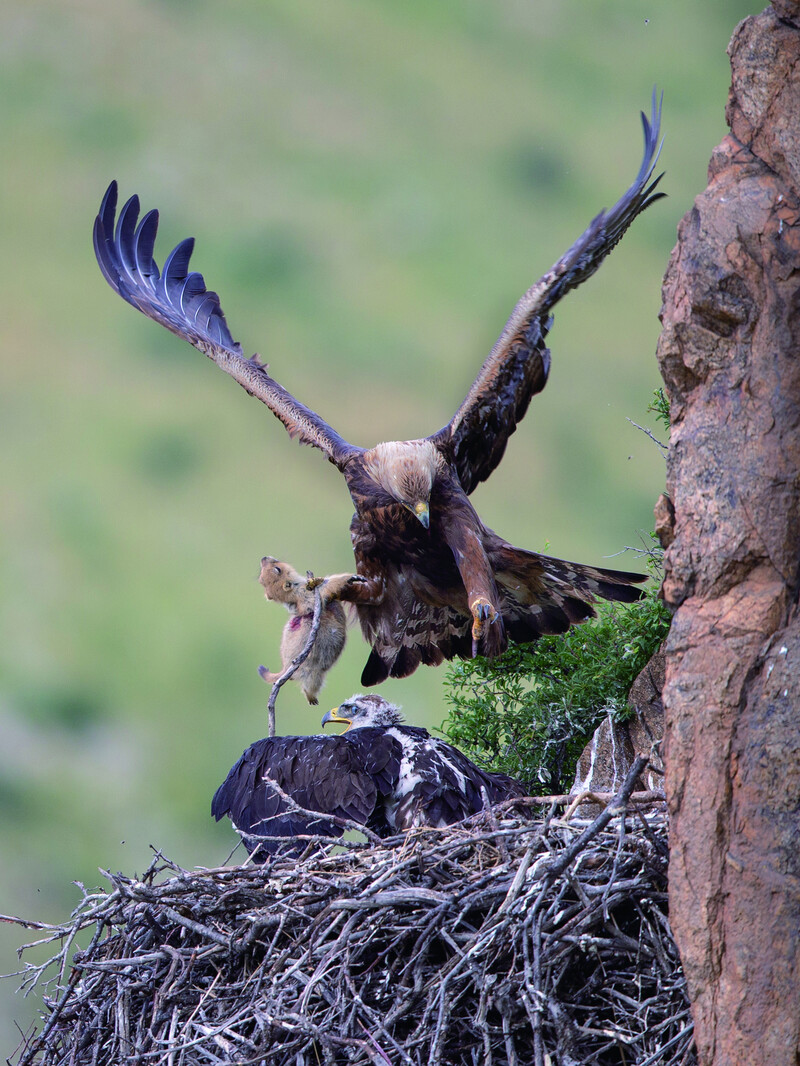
{"points": [[616, 806], [647, 433], [196, 927], [26, 923], [600, 798], [75, 975], [298, 659]]}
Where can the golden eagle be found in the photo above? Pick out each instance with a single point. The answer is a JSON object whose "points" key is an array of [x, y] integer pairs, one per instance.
{"points": [[379, 773], [435, 582]]}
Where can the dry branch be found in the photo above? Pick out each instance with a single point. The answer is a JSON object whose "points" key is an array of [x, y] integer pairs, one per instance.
{"points": [[298, 660]]}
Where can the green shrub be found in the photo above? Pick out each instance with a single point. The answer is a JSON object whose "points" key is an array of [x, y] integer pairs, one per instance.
{"points": [[531, 711]]}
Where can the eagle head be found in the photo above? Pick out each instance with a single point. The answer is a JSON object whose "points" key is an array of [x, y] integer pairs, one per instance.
{"points": [[407, 470], [360, 711]]}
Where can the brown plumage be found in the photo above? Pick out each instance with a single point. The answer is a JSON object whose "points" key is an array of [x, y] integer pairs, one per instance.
{"points": [[436, 582]]}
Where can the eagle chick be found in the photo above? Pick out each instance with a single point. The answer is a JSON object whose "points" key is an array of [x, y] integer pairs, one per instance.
{"points": [[380, 773]]}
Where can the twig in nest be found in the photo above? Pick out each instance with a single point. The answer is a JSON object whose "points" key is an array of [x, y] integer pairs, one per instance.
{"points": [[616, 806], [573, 800], [298, 659]]}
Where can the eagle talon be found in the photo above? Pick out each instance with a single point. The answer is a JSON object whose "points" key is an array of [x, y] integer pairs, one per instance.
{"points": [[483, 614]]}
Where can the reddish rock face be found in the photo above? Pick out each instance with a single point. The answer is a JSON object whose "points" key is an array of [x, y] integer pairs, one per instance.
{"points": [[730, 356]]}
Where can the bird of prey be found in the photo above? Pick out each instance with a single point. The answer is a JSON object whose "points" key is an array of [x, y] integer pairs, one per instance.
{"points": [[379, 773], [435, 581]]}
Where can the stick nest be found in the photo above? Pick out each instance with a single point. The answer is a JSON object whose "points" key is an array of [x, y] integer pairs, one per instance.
{"points": [[501, 940]]}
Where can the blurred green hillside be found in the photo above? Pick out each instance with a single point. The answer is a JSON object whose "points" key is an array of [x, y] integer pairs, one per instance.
{"points": [[372, 185]]}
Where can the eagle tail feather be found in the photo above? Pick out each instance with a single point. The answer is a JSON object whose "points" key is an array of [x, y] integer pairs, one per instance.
{"points": [[544, 596]]}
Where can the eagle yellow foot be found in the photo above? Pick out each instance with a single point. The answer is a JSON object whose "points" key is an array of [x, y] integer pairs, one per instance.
{"points": [[484, 615]]}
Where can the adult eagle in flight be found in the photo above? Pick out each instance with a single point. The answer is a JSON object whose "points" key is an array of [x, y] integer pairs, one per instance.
{"points": [[379, 773], [435, 581]]}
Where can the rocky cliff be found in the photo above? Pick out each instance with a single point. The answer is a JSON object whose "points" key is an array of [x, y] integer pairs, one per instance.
{"points": [[730, 357]]}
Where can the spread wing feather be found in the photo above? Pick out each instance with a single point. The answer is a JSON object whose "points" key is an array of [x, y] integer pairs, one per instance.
{"points": [[177, 298], [519, 362], [319, 773]]}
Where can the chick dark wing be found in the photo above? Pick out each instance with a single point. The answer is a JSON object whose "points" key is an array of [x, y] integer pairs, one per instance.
{"points": [[319, 773], [442, 785]]}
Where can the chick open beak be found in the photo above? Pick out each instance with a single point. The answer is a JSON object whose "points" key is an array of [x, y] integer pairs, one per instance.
{"points": [[334, 716], [422, 511]]}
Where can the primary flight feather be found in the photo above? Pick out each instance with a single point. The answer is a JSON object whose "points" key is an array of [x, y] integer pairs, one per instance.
{"points": [[435, 581]]}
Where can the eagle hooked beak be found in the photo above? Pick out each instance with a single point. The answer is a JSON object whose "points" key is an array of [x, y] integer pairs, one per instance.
{"points": [[334, 716], [422, 511]]}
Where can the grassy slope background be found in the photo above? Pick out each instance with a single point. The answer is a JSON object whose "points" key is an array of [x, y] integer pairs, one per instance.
{"points": [[372, 186]]}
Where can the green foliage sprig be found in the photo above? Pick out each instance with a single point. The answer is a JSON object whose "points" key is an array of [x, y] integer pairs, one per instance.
{"points": [[531, 711], [660, 407]]}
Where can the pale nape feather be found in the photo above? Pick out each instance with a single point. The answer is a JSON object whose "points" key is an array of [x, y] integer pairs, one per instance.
{"points": [[405, 469]]}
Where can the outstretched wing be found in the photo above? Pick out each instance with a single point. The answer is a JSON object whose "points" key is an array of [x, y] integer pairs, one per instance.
{"points": [[179, 300], [518, 364], [317, 773]]}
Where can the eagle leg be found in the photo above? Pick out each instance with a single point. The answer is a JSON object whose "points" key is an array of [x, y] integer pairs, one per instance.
{"points": [[364, 591], [336, 586], [462, 532], [484, 618]]}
